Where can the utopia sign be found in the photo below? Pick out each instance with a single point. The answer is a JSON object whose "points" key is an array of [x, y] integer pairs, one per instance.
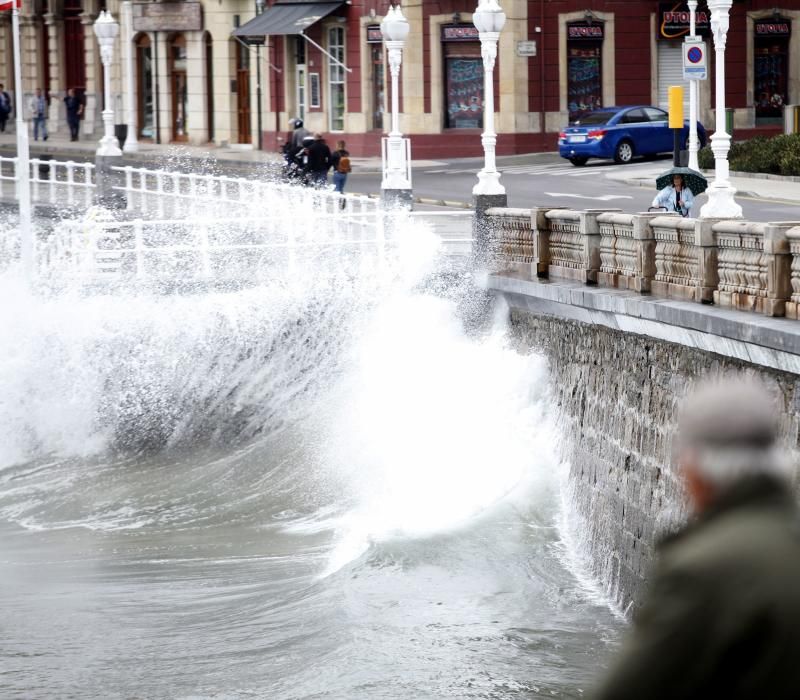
{"points": [[167, 17]]}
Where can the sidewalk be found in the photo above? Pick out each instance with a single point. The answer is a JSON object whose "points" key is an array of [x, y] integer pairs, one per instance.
{"points": [[755, 185], [239, 156]]}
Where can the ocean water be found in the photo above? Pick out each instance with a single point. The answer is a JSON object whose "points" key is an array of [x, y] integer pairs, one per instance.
{"points": [[323, 485]]}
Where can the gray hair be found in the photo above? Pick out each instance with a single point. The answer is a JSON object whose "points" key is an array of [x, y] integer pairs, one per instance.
{"points": [[730, 425]]}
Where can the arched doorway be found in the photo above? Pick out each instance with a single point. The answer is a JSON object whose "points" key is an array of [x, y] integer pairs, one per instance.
{"points": [[74, 46], [179, 93], [209, 56], [144, 86], [243, 93]]}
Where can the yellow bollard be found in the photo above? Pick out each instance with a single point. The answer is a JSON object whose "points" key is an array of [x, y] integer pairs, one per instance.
{"points": [[675, 107]]}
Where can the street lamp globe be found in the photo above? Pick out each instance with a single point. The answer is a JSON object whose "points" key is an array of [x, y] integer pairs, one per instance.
{"points": [[394, 26], [106, 28], [489, 17]]}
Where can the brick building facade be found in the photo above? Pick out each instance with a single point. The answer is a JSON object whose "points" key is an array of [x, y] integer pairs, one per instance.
{"points": [[199, 71]]}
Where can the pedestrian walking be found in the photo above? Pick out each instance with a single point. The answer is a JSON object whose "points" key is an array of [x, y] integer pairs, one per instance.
{"points": [[299, 133], [340, 162], [5, 107], [39, 114], [676, 197], [723, 614], [74, 107], [319, 161]]}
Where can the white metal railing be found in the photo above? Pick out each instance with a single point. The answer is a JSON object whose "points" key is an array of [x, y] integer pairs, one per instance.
{"points": [[200, 248], [166, 194], [62, 183]]}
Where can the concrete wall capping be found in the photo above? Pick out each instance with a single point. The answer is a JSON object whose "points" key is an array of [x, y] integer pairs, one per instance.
{"points": [[746, 265]]}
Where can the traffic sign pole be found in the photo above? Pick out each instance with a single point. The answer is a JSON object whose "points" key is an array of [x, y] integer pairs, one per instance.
{"points": [[693, 96]]}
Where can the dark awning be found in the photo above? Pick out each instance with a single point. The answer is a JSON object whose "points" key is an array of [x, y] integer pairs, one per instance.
{"points": [[286, 18]]}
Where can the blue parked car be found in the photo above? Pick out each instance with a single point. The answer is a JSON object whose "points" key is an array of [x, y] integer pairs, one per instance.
{"points": [[621, 133]]}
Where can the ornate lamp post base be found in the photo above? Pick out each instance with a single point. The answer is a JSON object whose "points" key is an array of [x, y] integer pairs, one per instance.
{"points": [[720, 204]]}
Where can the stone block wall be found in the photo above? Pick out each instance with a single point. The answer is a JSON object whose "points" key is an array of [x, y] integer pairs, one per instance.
{"points": [[617, 395]]}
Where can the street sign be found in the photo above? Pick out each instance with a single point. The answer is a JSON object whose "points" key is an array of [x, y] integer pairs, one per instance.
{"points": [[694, 59], [526, 48]]}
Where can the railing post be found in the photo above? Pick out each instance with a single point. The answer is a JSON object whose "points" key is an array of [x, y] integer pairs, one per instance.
{"points": [[138, 245], [160, 193], [70, 182], [205, 261], [541, 241], [129, 186]]}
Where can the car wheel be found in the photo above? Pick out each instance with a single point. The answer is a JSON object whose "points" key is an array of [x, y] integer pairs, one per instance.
{"points": [[623, 152], [578, 160]]}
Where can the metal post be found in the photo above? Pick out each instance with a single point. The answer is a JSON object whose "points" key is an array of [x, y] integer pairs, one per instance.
{"points": [[132, 139], [693, 96], [23, 158], [258, 96], [721, 204]]}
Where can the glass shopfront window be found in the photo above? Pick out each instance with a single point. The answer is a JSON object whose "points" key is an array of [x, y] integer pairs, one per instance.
{"points": [[770, 68], [463, 84], [584, 68], [336, 78]]}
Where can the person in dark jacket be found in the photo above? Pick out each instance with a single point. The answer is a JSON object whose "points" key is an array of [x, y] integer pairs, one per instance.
{"points": [[723, 614], [74, 107], [5, 107], [319, 161]]}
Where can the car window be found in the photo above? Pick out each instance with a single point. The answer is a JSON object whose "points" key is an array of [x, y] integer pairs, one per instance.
{"points": [[634, 116], [594, 118], [656, 115]]}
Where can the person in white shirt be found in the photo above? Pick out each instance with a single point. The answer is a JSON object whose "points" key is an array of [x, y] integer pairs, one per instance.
{"points": [[39, 114], [675, 197]]}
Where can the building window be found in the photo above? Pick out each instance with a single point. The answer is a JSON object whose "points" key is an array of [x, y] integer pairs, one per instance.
{"points": [[177, 70], [336, 78], [378, 95], [144, 81], [300, 77], [584, 68], [463, 83], [770, 68]]}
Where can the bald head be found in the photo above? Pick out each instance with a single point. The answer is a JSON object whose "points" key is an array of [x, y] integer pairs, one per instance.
{"points": [[727, 431]]}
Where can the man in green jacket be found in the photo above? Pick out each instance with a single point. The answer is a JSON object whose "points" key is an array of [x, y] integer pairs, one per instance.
{"points": [[722, 619]]}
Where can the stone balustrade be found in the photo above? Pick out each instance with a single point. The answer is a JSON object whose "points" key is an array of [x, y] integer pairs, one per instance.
{"points": [[739, 264]]}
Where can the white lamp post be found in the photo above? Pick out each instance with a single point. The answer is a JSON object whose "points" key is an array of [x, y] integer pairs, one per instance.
{"points": [[693, 96], [131, 140], [720, 204], [106, 30], [488, 19], [396, 151]]}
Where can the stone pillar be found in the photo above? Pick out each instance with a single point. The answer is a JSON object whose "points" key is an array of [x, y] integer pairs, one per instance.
{"points": [[541, 240], [94, 86], [779, 268], [481, 227], [645, 240], [54, 27], [707, 256], [197, 117], [590, 236]]}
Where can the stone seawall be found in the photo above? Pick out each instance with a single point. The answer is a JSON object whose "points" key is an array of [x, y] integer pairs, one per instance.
{"points": [[617, 393]]}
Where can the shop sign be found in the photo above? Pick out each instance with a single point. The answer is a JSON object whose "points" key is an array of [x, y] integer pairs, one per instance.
{"points": [[460, 32], [167, 17], [526, 48], [674, 20], [584, 31], [781, 27], [374, 35]]}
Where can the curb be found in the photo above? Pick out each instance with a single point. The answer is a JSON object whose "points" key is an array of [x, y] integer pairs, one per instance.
{"points": [[744, 193]]}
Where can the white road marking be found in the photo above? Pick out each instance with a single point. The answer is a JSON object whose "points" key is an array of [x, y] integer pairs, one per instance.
{"points": [[602, 197]]}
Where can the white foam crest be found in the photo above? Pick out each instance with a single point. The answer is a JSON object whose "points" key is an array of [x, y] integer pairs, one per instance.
{"points": [[434, 428]]}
